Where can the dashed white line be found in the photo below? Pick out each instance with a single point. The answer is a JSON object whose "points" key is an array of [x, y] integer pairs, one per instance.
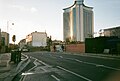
{"points": [[97, 65], [78, 60], [111, 68], [87, 79], [57, 79], [61, 56]]}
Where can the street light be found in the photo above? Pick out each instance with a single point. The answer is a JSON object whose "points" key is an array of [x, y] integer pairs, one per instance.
{"points": [[8, 26]]}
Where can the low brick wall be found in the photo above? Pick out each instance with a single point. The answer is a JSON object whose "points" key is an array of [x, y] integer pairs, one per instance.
{"points": [[75, 48]]}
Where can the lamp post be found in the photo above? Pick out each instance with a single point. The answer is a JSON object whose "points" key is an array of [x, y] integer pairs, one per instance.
{"points": [[8, 26]]}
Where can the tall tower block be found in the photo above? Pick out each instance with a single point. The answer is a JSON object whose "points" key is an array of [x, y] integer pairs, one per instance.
{"points": [[78, 22]]}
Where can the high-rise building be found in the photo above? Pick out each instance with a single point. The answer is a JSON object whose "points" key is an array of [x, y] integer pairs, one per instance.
{"points": [[78, 22]]}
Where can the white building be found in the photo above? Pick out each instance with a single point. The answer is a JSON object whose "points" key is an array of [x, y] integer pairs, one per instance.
{"points": [[37, 39], [78, 22], [114, 31]]}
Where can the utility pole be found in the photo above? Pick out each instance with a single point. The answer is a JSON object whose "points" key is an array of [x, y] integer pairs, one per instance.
{"points": [[8, 26]]}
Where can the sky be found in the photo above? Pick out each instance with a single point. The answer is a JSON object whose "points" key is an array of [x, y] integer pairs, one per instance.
{"points": [[47, 15]]}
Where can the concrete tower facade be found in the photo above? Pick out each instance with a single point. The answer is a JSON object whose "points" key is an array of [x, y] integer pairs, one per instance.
{"points": [[78, 22]]}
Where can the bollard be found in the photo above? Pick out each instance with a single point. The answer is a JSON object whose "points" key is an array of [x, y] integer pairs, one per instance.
{"points": [[15, 56], [18, 56]]}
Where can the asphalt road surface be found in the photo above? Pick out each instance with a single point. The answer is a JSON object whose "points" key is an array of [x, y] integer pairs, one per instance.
{"points": [[68, 67]]}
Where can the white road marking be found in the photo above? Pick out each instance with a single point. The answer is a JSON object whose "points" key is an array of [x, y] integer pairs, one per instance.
{"points": [[61, 56], [91, 63], [78, 60], [111, 68], [44, 69], [97, 65], [57, 79], [98, 56], [23, 79], [70, 58], [28, 73], [41, 62], [35, 62], [34, 66], [87, 79]]}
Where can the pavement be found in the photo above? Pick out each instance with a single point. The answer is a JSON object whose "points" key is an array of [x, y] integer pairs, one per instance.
{"points": [[8, 70]]}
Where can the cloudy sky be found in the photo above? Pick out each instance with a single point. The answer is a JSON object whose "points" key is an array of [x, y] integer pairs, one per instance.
{"points": [[46, 15]]}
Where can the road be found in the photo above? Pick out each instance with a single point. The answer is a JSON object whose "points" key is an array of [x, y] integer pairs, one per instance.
{"points": [[68, 67]]}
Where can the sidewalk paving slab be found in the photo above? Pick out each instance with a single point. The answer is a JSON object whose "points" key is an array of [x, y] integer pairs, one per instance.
{"points": [[9, 70]]}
